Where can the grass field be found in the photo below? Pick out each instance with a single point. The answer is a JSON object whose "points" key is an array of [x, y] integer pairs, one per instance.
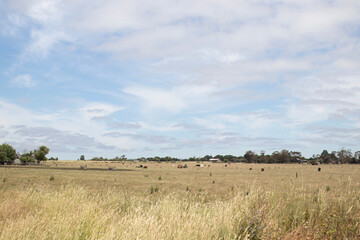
{"points": [[58, 200]]}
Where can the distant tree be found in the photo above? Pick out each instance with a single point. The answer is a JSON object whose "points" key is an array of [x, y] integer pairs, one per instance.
{"points": [[207, 158], [344, 155], [275, 156], [40, 154], [229, 158], [295, 157], [221, 157], [262, 158], [250, 156], [284, 156], [82, 158], [7, 153], [27, 158], [356, 157], [325, 156]]}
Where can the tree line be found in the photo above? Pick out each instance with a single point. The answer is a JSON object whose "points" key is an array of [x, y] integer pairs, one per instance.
{"points": [[284, 156], [8, 154]]}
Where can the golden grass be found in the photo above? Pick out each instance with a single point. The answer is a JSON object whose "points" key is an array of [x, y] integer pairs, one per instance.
{"points": [[241, 204]]}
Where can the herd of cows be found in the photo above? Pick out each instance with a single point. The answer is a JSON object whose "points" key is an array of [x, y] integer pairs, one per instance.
{"points": [[180, 166], [201, 165]]}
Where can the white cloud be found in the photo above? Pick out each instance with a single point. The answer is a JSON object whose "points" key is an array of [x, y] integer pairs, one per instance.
{"points": [[172, 100], [44, 11], [72, 127], [96, 109], [44, 41], [320, 98], [24, 80]]}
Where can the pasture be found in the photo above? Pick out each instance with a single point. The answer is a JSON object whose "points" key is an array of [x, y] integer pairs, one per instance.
{"points": [[59, 200]]}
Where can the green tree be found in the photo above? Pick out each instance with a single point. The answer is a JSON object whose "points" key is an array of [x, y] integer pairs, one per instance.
{"points": [[7, 153], [284, 156], [40, 154], [27, 159], [250, 156], [325, 156]]}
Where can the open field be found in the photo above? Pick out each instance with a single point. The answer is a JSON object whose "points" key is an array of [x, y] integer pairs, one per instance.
{"points": [[58, 200]]}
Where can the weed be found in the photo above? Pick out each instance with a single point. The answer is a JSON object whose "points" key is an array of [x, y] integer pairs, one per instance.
{"points": [[154, 189], [52, 178]]}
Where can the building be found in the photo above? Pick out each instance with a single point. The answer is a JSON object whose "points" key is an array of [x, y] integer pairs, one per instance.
{"points": [[215, 160], [17, 162]]}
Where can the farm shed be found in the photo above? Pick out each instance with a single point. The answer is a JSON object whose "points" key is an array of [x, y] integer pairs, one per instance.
{"points": [[215, 160]]}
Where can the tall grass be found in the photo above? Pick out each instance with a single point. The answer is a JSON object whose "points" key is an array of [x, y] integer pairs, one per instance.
{"points": [[283, 212]]}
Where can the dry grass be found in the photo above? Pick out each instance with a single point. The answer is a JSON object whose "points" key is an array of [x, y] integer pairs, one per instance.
{"points": [[241, 204]]}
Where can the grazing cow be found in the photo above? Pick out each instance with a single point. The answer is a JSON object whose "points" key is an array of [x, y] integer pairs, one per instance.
{"points": [[319, 169], [185, 166], [250, 168], [144, 166], [225, 165], [262, 169], [197, 165], [180, 166]]}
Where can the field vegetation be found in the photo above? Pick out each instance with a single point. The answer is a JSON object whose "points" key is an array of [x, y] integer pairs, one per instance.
{"points": [[117, 200]]}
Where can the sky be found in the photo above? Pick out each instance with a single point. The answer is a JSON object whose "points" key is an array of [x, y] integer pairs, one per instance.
{"points": [[179, 78]]}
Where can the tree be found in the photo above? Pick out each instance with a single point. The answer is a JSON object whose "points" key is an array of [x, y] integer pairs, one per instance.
{"points": [[7, 153], [284, 156], [250, 156], [344, 155], [296, 156], [40, 154], [27, 158], [325, 156], [356, 157]]}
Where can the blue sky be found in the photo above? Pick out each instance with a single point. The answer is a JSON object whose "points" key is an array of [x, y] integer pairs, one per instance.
{"points": [[179, 78]]}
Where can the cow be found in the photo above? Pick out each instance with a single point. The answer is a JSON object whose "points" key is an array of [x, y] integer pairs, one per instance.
{"points": [[319, 169], [180, 166], [250, 168], [262, 169], [144, 166]]}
